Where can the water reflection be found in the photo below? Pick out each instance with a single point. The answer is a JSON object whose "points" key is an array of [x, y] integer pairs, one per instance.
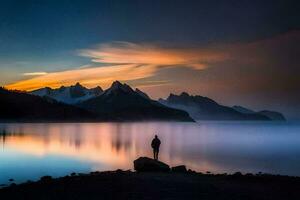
{"points": [[216, 147]]}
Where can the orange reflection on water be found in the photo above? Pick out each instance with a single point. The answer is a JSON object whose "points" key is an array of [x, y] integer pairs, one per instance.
{"points": [[96, 145], [114, 145], [219, 147]]}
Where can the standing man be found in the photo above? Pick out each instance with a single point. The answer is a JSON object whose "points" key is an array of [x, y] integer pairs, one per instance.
{"points": [[155, 145]]}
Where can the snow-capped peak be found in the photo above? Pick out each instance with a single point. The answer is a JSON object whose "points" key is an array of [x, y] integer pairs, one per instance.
{"points": [[70, 95]]}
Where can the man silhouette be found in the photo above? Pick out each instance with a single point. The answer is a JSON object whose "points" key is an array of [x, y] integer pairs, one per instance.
{"points": [[155, 146]]}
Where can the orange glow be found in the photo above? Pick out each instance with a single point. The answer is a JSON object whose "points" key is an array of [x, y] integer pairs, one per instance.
{"points": [[99, 151], [128, 62], [97, 148], [89, 77]]}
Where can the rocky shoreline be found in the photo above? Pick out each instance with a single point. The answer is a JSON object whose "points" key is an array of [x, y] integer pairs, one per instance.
{"points": [[176, 183]]}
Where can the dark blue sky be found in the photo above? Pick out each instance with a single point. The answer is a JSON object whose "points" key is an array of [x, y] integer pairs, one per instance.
{"points": [[38, 28], [46, 36]]}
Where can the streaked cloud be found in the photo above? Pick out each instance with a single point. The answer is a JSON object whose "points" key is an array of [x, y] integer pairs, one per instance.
{"points": [[89, 77], [122, 61], [147, 54], [34, 73]]}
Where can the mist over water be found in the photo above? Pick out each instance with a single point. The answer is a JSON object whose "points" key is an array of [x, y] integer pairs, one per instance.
{"points": [[29, 151]]}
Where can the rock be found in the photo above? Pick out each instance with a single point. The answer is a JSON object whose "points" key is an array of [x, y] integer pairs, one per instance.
{"points": [[237, 174], [145, 164], [95, 173], [119, 171], [46, 178], [179, 169], [193, 171]]}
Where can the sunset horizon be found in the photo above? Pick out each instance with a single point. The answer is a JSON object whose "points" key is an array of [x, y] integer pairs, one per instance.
{"points": [[142, 100], [162, 70]]}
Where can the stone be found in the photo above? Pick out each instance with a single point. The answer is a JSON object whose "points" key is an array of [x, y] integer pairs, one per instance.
{"points": [[145, 164], [46, 179], [179, 169]]}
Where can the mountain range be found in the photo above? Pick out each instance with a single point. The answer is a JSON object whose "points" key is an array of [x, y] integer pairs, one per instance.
{"points": [[204, 108], [117, 103]]}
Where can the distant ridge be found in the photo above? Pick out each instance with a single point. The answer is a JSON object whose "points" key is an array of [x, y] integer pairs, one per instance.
{"points": [[203, 108], [243, 109], [273, 115]]}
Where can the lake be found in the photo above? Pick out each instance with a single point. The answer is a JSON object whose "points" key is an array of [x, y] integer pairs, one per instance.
{"points": [[29, 151]]}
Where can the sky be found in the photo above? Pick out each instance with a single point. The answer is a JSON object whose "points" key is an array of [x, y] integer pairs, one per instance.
{"points": [[235, 52]]}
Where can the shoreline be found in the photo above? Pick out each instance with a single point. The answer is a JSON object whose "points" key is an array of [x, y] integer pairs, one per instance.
{"points": [[121, 184], [90, 121]]}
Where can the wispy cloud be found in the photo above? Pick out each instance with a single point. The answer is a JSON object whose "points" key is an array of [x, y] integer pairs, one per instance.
{"points": [[34, 74], [122, 61], [147, 54], [88, 76]]}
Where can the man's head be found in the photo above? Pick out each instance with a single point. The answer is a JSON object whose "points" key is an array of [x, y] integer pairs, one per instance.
{"points": [[155, 136]]}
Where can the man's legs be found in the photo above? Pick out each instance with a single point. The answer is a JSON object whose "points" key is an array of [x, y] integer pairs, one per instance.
{"points": [[157, 151], [154, 152]]}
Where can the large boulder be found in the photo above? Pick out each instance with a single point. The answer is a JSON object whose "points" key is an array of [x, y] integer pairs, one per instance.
{"points": [[179, 169], [145, 164]]}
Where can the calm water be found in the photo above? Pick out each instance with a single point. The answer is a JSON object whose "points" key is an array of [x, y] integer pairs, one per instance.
{"points": [[29, 151]]}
